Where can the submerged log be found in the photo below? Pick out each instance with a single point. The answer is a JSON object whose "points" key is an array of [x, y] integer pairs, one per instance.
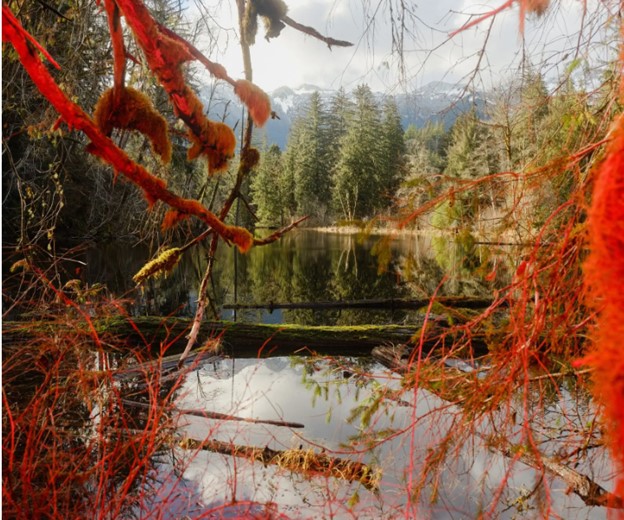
{"points": [[204, 414], [299, 461], [589, 491]]}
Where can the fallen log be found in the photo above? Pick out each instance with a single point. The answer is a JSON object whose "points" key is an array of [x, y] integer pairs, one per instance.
{"points": [[213, 415], [300, 461], [589, 491], [167, 336]]}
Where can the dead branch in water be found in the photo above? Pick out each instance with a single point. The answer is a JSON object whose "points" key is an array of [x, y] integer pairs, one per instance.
{"points": [[296, 460], [214, 415]]}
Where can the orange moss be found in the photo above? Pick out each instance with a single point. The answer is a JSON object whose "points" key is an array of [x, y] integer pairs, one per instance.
{"points": [[101, 146], [604, 273], [216, 69], [256, 100], [250, 158], [216, 142], [176, 52], [172, 218], [240, 236], [133, 110]]}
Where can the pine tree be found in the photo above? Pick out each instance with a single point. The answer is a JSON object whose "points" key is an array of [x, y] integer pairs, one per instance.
{"points": [[393, 149], [340, 113], [266, 188], [425, 160], [471, 155], [311, 171], [289, 165], [356, 183]]}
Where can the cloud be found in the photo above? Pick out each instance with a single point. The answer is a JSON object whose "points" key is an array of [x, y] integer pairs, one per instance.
{"points": [[428, 53]]}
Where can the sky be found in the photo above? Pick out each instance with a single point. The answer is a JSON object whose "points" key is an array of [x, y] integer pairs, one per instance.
{"points": [[294, 58]]}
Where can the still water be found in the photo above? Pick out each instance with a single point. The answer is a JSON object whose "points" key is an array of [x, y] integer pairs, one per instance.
{"points": [[429, 465], [431, 458], [310, 266]]}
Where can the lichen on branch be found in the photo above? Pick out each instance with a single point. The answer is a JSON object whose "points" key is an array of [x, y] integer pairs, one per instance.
{"points": [[154, 189]]}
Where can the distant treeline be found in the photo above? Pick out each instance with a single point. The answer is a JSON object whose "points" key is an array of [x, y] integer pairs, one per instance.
{"points": [[349, 159]]}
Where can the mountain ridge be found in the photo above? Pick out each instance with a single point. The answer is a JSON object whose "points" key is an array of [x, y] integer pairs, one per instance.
{"points": [[436, 101]]}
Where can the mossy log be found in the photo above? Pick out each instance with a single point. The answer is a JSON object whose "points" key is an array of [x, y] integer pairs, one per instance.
{"points": [[159, 334], [298, 461]]}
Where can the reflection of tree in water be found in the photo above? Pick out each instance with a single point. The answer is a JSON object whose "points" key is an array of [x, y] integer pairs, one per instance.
{"points": [[356, 276], [469, 266], [318, 267], [463, 450], [310, 267]]}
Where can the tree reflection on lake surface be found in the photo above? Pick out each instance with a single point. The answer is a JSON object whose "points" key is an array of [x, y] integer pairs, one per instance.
{"points": [[449, 437], [312, 266]]}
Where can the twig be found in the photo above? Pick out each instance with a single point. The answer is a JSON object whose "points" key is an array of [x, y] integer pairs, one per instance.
{"points": [[315, 34], [279, 233], [214, 415]]}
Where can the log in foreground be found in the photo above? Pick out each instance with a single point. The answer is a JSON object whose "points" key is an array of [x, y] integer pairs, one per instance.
{"points": [[168, 335], [247, 339], [299, 461]]}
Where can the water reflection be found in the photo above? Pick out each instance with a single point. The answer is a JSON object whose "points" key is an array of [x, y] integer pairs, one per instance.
{"points": [[432, 466], [311, 266], [126, 432]]}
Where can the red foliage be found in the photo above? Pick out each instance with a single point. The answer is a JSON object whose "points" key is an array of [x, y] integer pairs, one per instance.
{"points": [[216, 142], [154, 188], [256, 100], [604, 272], [131, 109], [164, 56], [172, 218]]}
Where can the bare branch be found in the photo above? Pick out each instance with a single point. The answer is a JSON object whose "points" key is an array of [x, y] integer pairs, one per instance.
{"points": [[279, 233], [315, 34]]}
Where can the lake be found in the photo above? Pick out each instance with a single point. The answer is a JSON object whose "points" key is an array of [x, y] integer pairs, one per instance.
{"points": [[310, 266], [426, 454]]}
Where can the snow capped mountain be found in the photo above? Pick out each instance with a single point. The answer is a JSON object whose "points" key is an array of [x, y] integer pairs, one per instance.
{"points": [[434, 102]]}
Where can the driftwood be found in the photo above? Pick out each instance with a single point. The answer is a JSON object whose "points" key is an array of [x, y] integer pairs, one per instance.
{"points": [[457, 386], [385, 303], [587, 490], [299, 461]]}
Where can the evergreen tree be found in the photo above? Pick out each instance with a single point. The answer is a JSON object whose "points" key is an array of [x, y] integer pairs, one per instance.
{"points": [[424, 160], [340, 112], [356, 186], [393, 149], [266, 188], [311, 171], [471, 155], [289, 165]]}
